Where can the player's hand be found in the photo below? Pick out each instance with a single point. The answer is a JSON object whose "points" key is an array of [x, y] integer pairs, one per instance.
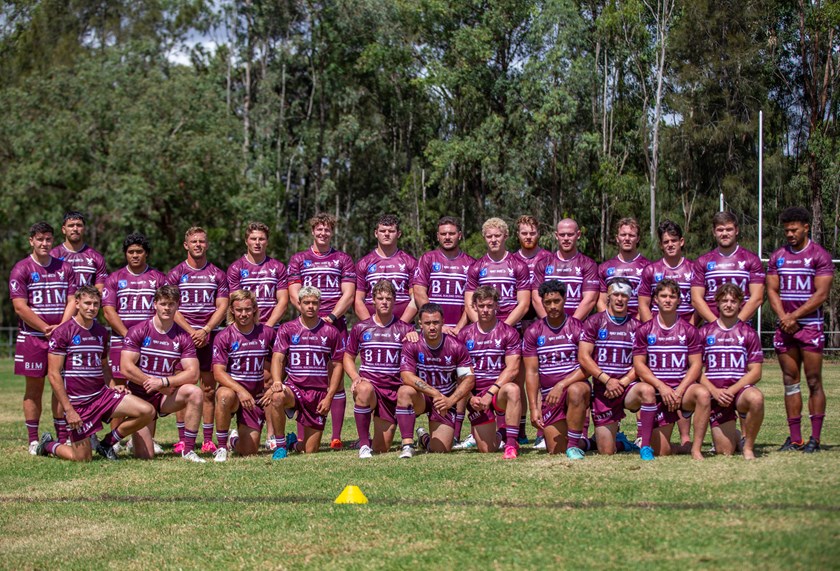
{"points": [[74, 421], [355, 385], [323, 408], [119, 388], [199, 337], [441, 403], [554, 395], [48, 331], [670, 398], [449, 330], [477, 404], [246, 399], [536, 420], [788, 324], [724, 397], [411, 337], [614, 388], [152, 384]]}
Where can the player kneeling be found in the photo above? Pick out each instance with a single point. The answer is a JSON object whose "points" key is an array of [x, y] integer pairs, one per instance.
{"points": [[306, 372], [79, 374], [606, 353], [732, 355], [667, 356], [241, 361], [153, 352], [496, 351]]}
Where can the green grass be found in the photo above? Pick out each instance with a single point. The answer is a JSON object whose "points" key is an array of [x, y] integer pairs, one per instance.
{"points": [[462, 510]]}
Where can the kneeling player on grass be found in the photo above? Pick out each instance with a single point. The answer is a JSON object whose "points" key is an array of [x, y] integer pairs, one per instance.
{"points": [[549, 351], [241, 362], [429, 368], [152, 353], [378, 342], [667, 356], [496, 351], [606, 353], [732, 355], [79, 375], [306, 372]]}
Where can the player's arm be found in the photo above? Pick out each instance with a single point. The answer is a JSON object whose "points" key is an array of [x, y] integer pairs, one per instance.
{"points": [[410, 310], [523, 301], [755, 301], [69, 309], [466, 383], [472, 315], [532, 388], [554, 395], [129, 368], [412, 380], [359, 305], [106, 367], [822, 286], [55, 364], [421, 294], [197, 335], [345, 302], [112, 318], [279, 310], [645, 313], [511, 370], [221, 375], [602, 301], [349, 362], [646, 375], [587, 302], [28, 316], [335, 371], [699, 302], [537, 303], [294, 289], [692, 374]]}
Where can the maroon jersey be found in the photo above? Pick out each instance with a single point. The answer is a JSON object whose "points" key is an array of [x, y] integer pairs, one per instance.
{"points": [[682, 273], [88, 264], [555, 349], [160, 353], [613, 342], [244, 355], [45, 289], [579, 273], [437, 367], [488, 351], [727, 352], [308, 352], [509, 276], [263, 279], [327, 272], [200, 288], [445, 280], [667, 348], [712, 270], [796, 271], [379, 347], [531, 262], [82, 349], [132, 295], [398, 269], [631, 271]]}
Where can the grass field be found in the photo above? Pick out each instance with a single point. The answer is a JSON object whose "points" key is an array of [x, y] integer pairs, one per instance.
{"points": [[462, 510]]}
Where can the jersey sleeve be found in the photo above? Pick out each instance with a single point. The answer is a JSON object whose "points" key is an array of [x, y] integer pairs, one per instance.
{"points": [[513, 345], [352, 347], [133, 339], [602, 277], [523, 277], [529, 342], [462, 356], [221, 349], [173, 276], [408, 358], [233, 277], [59, 341], [281, 342], [294, 269], [421, 273], [645, 286], [472, 276], [698, 276], [640, 344], [753, 344], [823, 266], [109, 291], [72, 284], [282, 277], [591, 281], [337, 353], [188, 345], [589, 333], [19, 283], [222, 288], [361, 276], [100, 270], [772, 264], [348, 269], [693, 340], [539, 274]]}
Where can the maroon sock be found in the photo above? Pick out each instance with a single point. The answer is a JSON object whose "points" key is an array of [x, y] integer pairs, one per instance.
{"points": [[459, 424], [522, 425], [363, 415], [405, 421], [52, 447], [180, 427], [795, 426], [60, 429], [222, 438], [112, 438], [232, 442], [32, 429], [540, 433], [647, 417], [587, 444], [189, 441], [511, 436], [816, 426], [207, 431], [339, 403], [573, 439]]}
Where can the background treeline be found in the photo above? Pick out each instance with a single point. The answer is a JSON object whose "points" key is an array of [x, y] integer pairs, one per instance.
{"points": [[161, 114]]}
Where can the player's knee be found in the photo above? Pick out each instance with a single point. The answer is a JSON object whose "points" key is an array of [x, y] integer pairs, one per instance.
{"points": [[578, 394], [814, 382], [647, 393], [194, 395], [756, 401], [703, 397], [364, 390], [404, 395], [146, 412]]}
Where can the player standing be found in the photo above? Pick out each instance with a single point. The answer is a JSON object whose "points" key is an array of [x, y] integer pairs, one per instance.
{"points": [[79, 375], [334, 274], [606, 353], [241, 362], [668, 356], [306, 372], [262, 274], [41, 288], [378, 342], [436, 371], [672, 266], [204, 303], [628, 264], [729, 262], [732, 356], [552, 371], [159, 360], [496, 352], [88, 264], [799, 277], [385, 262]]}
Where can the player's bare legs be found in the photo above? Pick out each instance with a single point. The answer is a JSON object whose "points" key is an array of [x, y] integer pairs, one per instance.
{"points": [[555, 437], [32, 398], [186, 398], [698, 400], [751, 403], [208, 388], [227, 403], [812, 365], [684, 427], [789, 362], [577, 406]]}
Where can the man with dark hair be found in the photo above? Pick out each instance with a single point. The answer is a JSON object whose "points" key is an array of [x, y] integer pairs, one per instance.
{"points": [[672, 266], [41, 288], [727, 263], [799, 277], [88, 264], [385, 262], [628, 264]]}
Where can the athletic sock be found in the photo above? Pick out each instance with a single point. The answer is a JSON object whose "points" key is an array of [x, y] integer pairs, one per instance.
{"points": [[511, 436], [60, 429], [522, 423], [222, 438], [180, 427], [32, 429], [500, 422], [795, 426], [573, 439], [281, 442], [647, 417], [207, 429], [540, 433], [232, 442], [587, 444], [405, 421], [337, 407], [363, 414], [112, 438], [189, 441], [459, 424], [52, 447], [816, 426]]}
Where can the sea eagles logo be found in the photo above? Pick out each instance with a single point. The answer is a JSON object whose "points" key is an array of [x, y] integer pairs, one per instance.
{"points": [[569, 336], [261, 342], [466, 268], [540, 340], [436, 266], [153, 283], [52, 343], [740, 339], [371, 268], [742, 265], [336, 263], [602, 334], [234, 346], [639, 271], [77, 340], [122, 284], [295, 339], [215, 351], [147, 341], [780, 262], [448, 359], [711, 265], [687, 276], [498, 343], [35, 277], [657, 276], [681, 338], [482, 273], [610, 272], [710, 340], [578, 271], [185, 278], [324, 340], [470, 344], [100, 339], [176, 345], [13, 285], [61, 274], [396, 337], [243, 273], [633, 337], [421, 357], [307, 263], [651, 339], [510, 271], [549, 270], [272, 271], [367, 336], [808, 262], [89, 261], [402, 267]]}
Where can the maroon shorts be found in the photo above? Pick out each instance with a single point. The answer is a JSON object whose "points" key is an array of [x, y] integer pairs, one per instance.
{"points": [[31, 355], [605, 410], [205, 356], [435, 416], [154, 399], [479, 417], [553, 414], [114, 356], [306, 403], [723, 414], [386, 404], [254, 418], [665, 417], [96, 412], [808, 338]]}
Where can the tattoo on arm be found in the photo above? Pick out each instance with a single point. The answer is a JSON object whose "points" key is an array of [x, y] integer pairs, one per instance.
{"points": [[421, 385]]}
